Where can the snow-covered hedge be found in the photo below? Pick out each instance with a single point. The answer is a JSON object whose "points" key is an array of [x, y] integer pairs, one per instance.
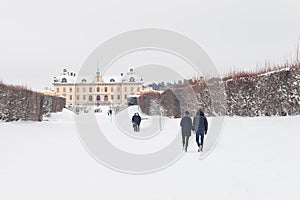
{"points": [[19, 103], [268, 94], [272, 93]]}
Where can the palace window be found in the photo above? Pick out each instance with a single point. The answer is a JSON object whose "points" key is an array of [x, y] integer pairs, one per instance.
{"points": [[83, 90], [105, 98], [77, 97], [90, 89], [105, 89], [90, 98], [83, 97], [77, 89], [71, 97], [131, 79], [57, 89], [98, 89], [131, 89], [64, 89], [71, 89], [125, 89], [112, 97], [111, 89], [63, 80]]}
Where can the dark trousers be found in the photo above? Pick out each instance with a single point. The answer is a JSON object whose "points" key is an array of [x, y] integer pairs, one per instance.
{"points": [[199, 134], [185, 141]]}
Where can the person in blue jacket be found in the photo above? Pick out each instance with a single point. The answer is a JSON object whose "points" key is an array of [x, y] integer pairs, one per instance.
{"points": [[200, 125], [136, 121]]}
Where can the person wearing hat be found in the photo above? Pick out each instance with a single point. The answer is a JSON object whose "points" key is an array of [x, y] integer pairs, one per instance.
{"points": [[186, 128]]}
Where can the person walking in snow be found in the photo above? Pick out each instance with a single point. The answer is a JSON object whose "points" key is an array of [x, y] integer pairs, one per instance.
{"points": [[186, 128], [200, 125], [136, 121], [109, 112]]}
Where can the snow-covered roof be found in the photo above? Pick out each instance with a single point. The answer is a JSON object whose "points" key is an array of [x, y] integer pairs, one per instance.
{"points": [[85, 79], [64, 79], [150, 89], [112, 79], [47, 91], [70, 77], [131, 77]]}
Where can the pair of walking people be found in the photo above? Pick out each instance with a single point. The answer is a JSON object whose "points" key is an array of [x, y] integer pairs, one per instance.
{"points": [[199, 125]]}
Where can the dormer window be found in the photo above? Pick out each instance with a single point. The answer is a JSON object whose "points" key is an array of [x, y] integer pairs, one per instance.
{"points": [[112, 80], [83, 80], [63, 80], [131, 79]]}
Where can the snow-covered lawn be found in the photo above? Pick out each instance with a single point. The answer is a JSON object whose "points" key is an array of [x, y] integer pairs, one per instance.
{"points": [[256, 158]]}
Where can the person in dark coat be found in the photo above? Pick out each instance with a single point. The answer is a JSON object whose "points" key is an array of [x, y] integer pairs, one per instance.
{"points": [[200, 125], [136, 121], [186, 128]]}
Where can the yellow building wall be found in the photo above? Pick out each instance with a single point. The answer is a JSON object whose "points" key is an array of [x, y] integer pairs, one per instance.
{"points": [[79, 94]]}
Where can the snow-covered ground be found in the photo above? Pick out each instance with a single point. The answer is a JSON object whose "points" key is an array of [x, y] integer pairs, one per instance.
{"points": [[256, 158]]}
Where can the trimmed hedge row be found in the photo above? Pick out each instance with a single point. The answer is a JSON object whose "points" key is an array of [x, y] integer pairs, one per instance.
{"points": [[274, 93], [19, 103]]}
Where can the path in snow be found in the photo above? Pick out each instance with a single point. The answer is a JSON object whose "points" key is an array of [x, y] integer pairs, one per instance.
{"points": [[256, 158]]}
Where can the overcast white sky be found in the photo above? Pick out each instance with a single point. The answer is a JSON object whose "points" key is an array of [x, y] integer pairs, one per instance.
{"points": [[39, 38]]}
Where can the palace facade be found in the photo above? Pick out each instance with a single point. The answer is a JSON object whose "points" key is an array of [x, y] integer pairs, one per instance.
{"points": [[97, 90]]}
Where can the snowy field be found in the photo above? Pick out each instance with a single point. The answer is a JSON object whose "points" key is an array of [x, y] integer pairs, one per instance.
{"points": [[256, 158]]}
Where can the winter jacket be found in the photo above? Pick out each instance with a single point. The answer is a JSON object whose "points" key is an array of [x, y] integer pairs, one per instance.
{"points": [[186, 126], [136, 119], [200, 122]]}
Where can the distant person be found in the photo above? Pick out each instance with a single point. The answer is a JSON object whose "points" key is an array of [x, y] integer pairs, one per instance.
{"points": [[136, 121], [186, 128], [200, 125], [109, 112]]}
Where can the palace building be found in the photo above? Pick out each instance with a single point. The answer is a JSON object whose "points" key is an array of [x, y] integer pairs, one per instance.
{"points": [[97, 90]]}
